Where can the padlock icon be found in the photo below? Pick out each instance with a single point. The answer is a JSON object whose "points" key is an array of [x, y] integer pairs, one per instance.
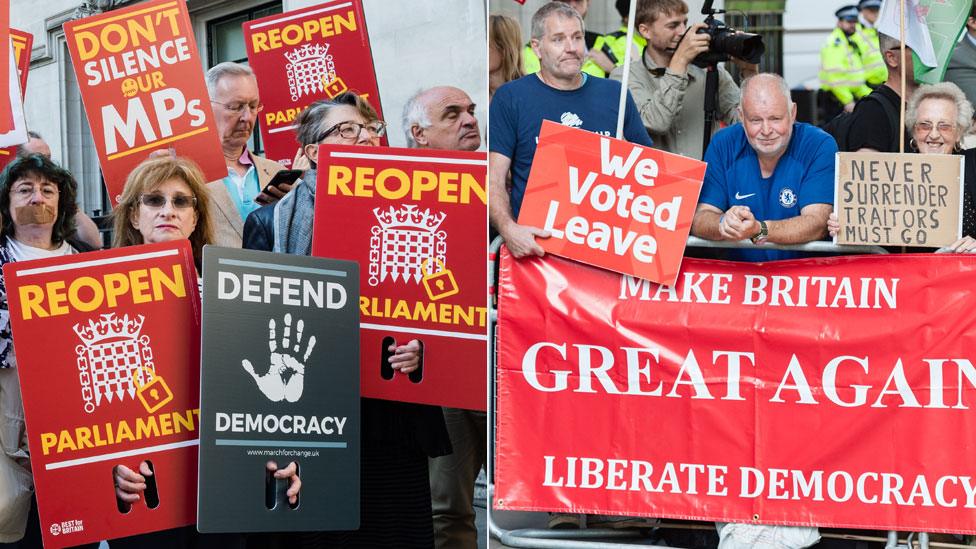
{"points": [[335, 87], [440, 284], [155, 394]]}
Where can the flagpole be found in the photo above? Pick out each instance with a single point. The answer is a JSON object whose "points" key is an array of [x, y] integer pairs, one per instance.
{"points": [[622, 106], [901, 119]]}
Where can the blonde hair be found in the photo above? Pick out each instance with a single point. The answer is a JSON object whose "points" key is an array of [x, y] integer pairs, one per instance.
{"points": [[505, 34], [146, 177]]}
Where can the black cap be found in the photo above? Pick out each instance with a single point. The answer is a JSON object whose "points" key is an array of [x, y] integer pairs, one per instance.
{"points": [[847, 12], [869, 4]]}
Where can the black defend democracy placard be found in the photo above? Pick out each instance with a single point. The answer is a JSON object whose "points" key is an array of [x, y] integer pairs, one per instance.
{"points": [[279, 382]]}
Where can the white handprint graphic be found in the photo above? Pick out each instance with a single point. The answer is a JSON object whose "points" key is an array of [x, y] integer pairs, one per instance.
{"points": [[285, 378]]}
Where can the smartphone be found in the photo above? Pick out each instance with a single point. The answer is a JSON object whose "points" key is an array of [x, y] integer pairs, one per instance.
{"points": [[284, 177]]}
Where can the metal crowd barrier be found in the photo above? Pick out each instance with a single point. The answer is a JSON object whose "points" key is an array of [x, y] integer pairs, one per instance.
{"points": [[537, 538]]}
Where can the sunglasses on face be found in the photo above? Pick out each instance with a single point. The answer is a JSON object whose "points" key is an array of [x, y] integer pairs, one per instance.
{"points": [[156, 201]]}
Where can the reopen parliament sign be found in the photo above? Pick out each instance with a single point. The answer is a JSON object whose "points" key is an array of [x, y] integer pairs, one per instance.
{"points": [[108, 353]]}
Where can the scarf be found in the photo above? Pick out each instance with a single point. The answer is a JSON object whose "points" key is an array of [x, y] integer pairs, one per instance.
{"points": [[293, 217]]}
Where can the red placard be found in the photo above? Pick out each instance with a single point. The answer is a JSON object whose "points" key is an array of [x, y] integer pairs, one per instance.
{"points": [[305, 55], [22, 42], [416, 221], [142, 84], [108, 353], [6, 114], [612, 203], [843, 386]]}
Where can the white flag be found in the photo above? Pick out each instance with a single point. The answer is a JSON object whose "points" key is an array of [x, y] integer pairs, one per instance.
{"points": [[917, 36]]}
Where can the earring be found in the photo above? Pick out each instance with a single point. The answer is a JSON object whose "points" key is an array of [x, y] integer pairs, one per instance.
{"points": [[912, 144]]}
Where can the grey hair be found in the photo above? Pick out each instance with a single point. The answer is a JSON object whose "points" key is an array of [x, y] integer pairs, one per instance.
{"points": [[222, 70], [942, 90], [781, 85], [415, 114], [886, 42], [557, 8]]}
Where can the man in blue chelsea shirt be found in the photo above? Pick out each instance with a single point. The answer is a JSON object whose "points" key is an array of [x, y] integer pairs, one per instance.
{"points": [[769, 179]]}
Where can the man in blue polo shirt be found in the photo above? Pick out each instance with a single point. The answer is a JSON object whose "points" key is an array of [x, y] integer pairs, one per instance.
{"points": [[558, 92], [769, 179]]}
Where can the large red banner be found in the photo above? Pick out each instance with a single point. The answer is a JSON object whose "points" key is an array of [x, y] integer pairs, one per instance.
{"points": [[142, 84], [108, 354], [611, 203], [416, 221], [302, 56], [832, 392]]}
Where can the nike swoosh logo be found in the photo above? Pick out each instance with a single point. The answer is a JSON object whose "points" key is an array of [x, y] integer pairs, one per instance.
{"points": [[743, 196]]}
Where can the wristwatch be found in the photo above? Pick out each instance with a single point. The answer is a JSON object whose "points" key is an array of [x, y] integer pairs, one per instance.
{"points": [[763, 234]]}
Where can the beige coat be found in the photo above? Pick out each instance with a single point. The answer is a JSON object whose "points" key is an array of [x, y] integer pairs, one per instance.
{"points": [[228, 225]]}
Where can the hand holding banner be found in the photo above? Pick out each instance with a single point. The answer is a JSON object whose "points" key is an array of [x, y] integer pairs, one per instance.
{"points": [[143, 88], [612, 203]]}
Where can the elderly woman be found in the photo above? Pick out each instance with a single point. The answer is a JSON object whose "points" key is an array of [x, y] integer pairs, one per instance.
{"points": [[37, 206], [397, 437], [937, 117]]}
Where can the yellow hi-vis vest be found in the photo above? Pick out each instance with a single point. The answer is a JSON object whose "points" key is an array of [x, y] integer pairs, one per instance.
{"points": [[618, 44], [866, 40], [841, 71]]}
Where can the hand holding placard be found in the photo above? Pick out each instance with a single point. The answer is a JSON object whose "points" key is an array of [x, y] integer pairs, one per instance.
{"points": [[611, 203]]}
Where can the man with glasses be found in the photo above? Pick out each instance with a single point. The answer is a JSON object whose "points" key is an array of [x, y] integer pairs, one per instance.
{"points": [[233, 91]]}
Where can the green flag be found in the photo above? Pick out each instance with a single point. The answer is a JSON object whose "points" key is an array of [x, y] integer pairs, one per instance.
{"points": [[932, 29]]}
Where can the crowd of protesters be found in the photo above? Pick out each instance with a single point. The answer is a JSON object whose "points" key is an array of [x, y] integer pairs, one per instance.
{"points": [[408, 451], [769, 178]]}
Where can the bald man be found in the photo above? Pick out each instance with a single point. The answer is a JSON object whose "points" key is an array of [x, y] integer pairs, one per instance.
{"points": [[441, 118]]}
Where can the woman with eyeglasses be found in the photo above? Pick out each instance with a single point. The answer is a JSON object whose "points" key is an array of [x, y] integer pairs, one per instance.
{"points": [[37, 213], [937, 117], [397, 437]]}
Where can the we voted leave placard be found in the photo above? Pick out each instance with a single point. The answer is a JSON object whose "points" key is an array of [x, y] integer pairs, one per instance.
{"points": [[610, 203], [108, 354], [142, 84]]}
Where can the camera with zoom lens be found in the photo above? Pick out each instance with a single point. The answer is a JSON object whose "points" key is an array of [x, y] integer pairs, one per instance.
{"points": [[727, 42]]}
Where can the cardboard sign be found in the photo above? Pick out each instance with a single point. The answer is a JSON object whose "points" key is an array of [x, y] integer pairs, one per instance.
{"points": [[416, 220], [778, 393], [305, 55], [142, 84], [22, 42], [891, 199], [611, 203], [108, 350], [280, 382]]}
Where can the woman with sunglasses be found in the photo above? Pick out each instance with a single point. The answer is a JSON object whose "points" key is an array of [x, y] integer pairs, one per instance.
{"points": [[164, 199], [937, 118], [397, 437]]}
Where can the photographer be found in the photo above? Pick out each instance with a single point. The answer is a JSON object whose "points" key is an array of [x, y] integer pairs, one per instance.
{"points": [[668, 87]]}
